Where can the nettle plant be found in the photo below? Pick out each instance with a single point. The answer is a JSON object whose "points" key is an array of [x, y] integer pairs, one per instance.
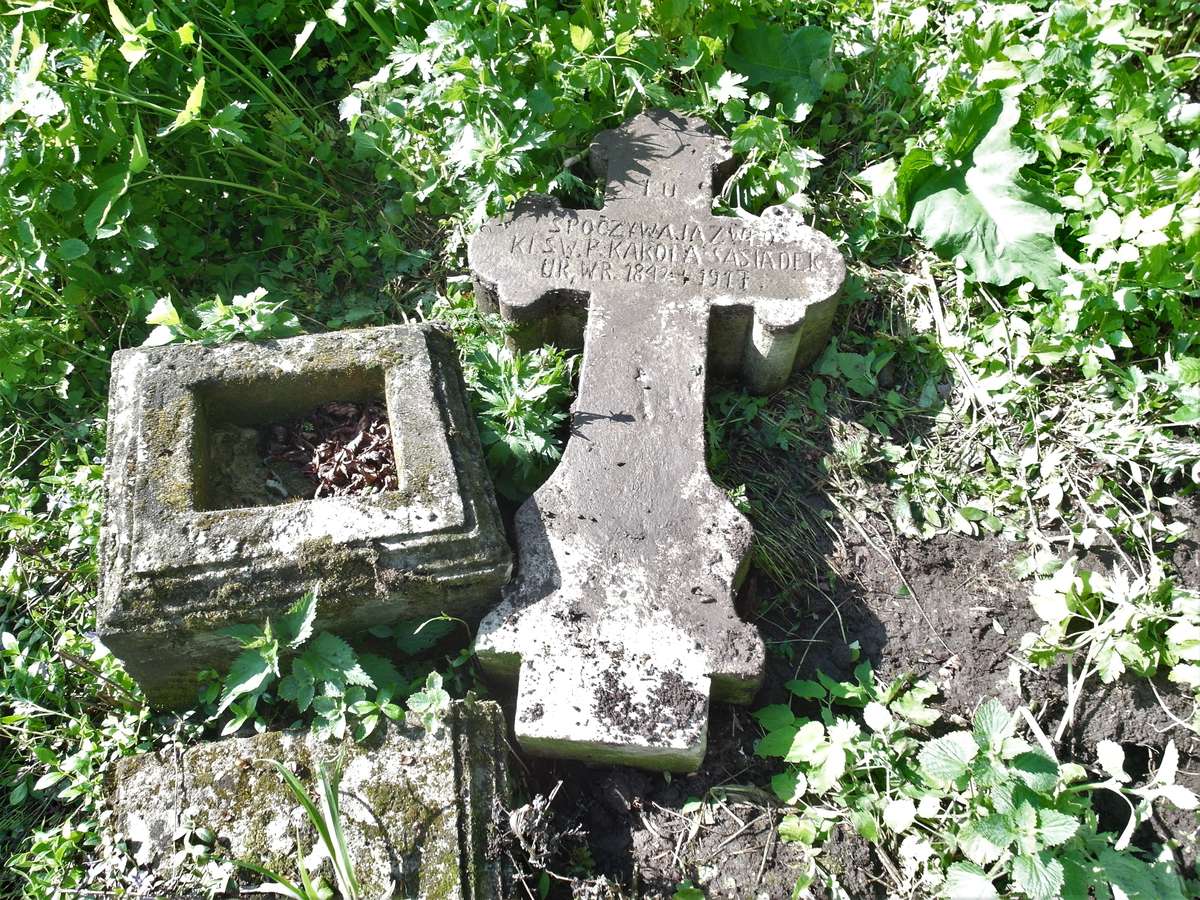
{"points": [[1111, 623], [520, 398], [971, 814], [340, 689]]}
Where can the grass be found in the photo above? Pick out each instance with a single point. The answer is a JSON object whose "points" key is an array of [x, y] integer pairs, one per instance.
{"points": [[1014, 185]]}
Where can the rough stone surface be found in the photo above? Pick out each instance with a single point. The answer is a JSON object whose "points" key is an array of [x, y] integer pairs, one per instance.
{"points": [[177, 568], [621, 621], [417, 808]]}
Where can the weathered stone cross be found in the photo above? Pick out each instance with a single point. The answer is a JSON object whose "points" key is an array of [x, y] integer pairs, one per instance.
{"points": [[621, 619]]}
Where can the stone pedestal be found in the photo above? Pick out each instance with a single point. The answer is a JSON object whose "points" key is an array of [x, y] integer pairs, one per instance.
{"points": [[179, 565], [417, 807]]}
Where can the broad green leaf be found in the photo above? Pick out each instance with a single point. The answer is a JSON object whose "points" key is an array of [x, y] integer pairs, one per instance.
{"points": [[1037, 770], [793, 65], [164, 313], [911, 704], [776, 743], [1139, 880], [415, 637], [102, 206], [789, 786], [248, 673], [1187, 369], [245, 634], [191, 108], [332, 660], [998, 830], [381, 671], [992, 724], [804, 745], [978, 209], [809, 690], [774, 717], [581, 37], [1039, 875], [967, 881], [1056, 828], [72, 248], [947, 758], [296, 626], [793, 829], [976, 847], [899, 814]]}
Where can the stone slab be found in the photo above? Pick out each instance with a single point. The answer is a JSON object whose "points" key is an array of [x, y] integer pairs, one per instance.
{"points": [[417, 807], [176, 569], [620, 623]]}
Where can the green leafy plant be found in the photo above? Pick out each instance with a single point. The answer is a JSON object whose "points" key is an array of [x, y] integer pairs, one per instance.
{"points": [[520, 404], [1116, 625], [325, 815], [246, 316], [972, 813], [325, 676]]}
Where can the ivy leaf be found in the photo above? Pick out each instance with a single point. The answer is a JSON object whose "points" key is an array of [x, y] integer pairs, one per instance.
{"points": [[248, 674], [1038, 875], [947, 758], [794, 65], [978, 209]]}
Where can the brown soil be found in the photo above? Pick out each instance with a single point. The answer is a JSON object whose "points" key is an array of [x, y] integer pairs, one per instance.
{"points": [[948, 609]]}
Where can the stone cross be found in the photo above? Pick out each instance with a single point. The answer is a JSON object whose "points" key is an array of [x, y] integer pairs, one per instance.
{"points": [[621, 620]]}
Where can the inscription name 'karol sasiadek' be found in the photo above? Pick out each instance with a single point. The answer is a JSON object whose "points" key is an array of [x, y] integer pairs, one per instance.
{"points": [[593, 247]]}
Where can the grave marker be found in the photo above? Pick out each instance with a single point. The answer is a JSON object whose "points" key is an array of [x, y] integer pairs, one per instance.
{"points": [[620, 620], [193, 539]]}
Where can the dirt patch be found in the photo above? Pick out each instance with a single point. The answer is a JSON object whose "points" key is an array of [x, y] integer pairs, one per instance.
{"points": [[950, 610]]}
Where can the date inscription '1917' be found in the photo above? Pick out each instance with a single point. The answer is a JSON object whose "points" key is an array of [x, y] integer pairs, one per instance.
{"points": [[721, 256]]}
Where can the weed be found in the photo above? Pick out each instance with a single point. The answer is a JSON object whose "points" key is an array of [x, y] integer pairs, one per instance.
{"points": [[973, 813]]}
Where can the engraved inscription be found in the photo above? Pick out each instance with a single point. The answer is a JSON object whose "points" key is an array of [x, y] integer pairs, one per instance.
{"points": [[712, 255]]}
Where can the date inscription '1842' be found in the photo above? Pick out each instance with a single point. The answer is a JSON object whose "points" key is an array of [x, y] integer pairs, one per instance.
{"points": [[581, 250]]}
